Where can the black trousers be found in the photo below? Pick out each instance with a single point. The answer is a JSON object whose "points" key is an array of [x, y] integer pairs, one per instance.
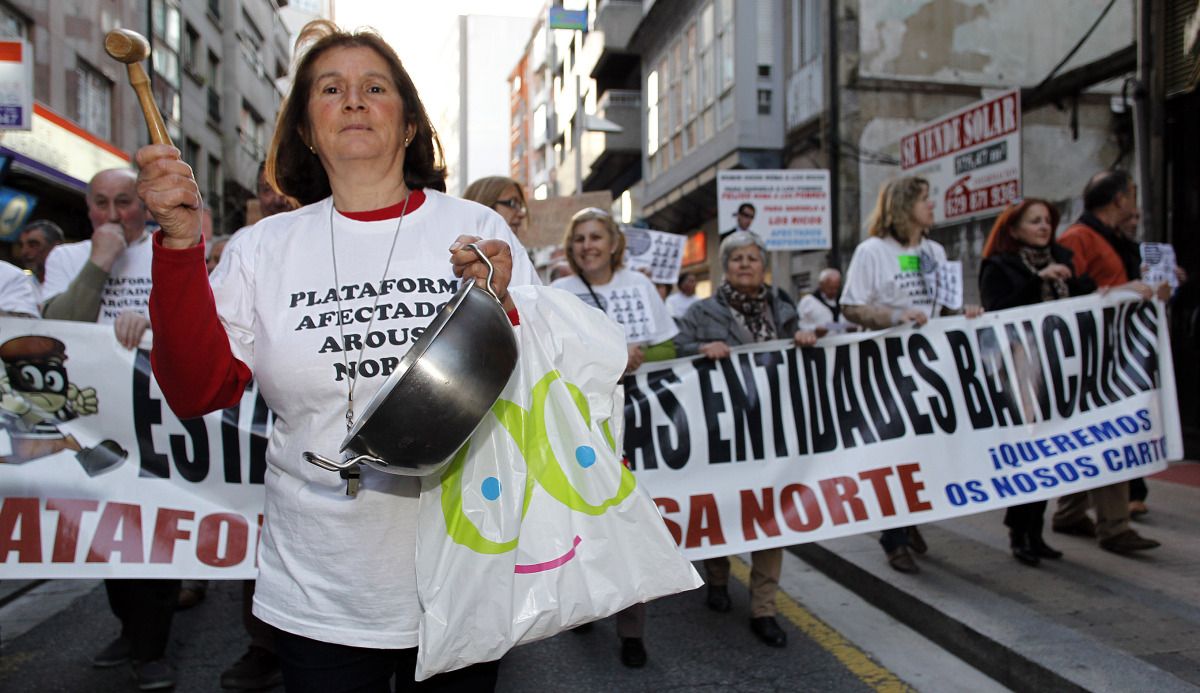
{"points": [[145, 609], [1026, 519], [312, 666], [1138, 489]]}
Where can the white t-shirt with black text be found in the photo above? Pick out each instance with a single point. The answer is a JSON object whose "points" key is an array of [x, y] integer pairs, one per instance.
{"points": [[632, 300], [335, 568], [127, 287], [885, 273]]}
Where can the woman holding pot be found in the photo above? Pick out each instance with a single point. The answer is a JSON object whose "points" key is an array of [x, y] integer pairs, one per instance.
{"points": [[595, 249], [1022, 265], [892, 280], [744, 310], [318, 306]]}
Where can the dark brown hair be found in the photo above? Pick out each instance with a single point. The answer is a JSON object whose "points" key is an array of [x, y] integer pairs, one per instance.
{"points": [[1001, 239], [294, 169]]}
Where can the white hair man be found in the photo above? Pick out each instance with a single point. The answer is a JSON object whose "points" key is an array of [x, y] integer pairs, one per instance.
{"points": [[819, 311]]}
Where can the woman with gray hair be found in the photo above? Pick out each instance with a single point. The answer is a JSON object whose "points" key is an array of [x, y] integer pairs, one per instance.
{"points": [[744, 310], [892, 281]]}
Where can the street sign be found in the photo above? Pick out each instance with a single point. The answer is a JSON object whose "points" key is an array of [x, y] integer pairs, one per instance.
{"points": [[971, 158]]}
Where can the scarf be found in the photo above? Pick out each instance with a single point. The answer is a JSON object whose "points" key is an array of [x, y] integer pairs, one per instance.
{"points": [[1037, 259], [753, 312]]}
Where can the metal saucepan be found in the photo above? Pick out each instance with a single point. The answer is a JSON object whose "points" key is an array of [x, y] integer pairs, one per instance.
{"points": [[440, 391]]}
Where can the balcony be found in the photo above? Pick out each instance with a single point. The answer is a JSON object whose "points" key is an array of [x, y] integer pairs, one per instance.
{"points": [[610, 151], [615, 23]]}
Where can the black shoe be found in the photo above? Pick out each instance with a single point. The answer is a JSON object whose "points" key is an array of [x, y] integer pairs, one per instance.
{"points": [[767, 629], [1083, 527], [114, 654], [900, 559], [718, 598], [633, 653], [1041, 549], [916, 542], [1127, 542], [154, 675], [256, 670], [1022, 548]]}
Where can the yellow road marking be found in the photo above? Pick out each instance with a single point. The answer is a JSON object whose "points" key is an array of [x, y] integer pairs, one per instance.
{"points": [[854, 659]]}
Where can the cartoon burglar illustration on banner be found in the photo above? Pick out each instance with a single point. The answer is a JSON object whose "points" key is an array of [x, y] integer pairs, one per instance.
{"points": [[35, 394]]}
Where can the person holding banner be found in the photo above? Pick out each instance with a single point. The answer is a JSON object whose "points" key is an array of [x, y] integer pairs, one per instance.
{"points": [[294, 304], [1101, 251], [595, 250], [892, 280], [744, 310], [1022, 265]]}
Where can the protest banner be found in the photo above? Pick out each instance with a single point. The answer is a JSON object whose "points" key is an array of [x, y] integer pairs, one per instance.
{"points": [[971, 158], [789, 208], [100, 479], [771, 447], [778, 446]]}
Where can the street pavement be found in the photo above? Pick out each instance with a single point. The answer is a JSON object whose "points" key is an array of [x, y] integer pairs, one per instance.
{"points": [[839, 644], [1093, 620], [973, 620]]}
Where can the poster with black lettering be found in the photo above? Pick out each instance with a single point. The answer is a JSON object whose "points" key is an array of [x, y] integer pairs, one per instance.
{"points": [[100, 479], [777, 445]]}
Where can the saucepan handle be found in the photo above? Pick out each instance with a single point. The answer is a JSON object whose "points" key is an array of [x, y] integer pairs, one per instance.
{"points": [[491, 270]]}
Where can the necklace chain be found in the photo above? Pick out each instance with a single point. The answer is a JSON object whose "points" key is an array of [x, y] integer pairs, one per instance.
{"points": [[352, 376]]}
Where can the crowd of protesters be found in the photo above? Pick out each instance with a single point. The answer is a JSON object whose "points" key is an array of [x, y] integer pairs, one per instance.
{"points": [[360, 186]]}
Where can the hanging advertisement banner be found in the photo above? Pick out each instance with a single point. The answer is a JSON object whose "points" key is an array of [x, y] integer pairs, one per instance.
{"points": [[16, 85], [971, 158], [789, 208]]}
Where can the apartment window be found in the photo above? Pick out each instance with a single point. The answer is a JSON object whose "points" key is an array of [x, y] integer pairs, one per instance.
{"points": [[190, 53], [214, 8], [213, 72], [212, 181], [164, 52], [689, 87], [252, 42], [252, 133], [12, 24], [93, 102], [805, 32], [191, 152], [652, 113], [724, 37]]}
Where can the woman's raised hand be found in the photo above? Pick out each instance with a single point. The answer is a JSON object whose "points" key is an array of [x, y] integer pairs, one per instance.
{"points": [[168, 189], [468, 265]]}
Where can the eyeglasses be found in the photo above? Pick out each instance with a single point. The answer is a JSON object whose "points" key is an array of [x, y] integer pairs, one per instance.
{"points": [[514, 205]]}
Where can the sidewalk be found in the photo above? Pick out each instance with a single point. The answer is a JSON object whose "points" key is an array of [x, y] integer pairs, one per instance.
{"points": [[1092, 621]]}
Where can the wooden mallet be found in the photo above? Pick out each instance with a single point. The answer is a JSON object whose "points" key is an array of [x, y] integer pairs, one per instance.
{"points": [[131, 48]]}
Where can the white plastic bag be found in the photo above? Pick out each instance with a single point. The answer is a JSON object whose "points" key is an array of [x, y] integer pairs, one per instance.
{"points": [[536, 526]]}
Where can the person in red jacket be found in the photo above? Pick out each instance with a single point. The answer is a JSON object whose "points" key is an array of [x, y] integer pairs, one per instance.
{"points": [[1111, 259]]}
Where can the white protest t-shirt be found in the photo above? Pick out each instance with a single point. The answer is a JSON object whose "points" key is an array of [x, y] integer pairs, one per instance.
{"points": [[630, 299], [336, 568], [678, 303], [885, 273], [18, 291], [127, 287]]}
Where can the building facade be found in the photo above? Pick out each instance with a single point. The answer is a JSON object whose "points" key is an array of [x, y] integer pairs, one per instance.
{"points": [[213, 68]]}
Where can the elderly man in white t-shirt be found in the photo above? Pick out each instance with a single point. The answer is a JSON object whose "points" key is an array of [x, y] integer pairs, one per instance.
{"points": [[107, 280], [819, 311]]}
